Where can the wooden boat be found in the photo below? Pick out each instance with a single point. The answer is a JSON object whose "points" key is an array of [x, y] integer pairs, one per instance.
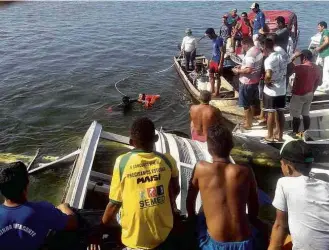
{"points": [[228, 95], [257, 133]]}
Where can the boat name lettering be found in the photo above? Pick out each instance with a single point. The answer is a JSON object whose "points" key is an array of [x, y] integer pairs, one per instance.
{"points": [[18, 227], [155, 177]]}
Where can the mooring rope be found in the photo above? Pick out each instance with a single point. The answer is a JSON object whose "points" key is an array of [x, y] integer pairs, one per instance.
{"points": [[123, 79]]}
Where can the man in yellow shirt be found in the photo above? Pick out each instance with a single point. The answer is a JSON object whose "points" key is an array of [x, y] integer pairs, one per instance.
{"points": [[144, 187]]}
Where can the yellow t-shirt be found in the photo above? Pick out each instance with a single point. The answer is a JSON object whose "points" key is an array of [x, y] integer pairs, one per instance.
{"points": [[140, 183]]}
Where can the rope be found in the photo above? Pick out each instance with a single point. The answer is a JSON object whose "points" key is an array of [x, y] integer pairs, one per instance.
{"points": [[123, 79]]}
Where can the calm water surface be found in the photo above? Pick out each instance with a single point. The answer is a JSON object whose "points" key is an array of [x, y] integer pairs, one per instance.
{"points": [[59, 62]]}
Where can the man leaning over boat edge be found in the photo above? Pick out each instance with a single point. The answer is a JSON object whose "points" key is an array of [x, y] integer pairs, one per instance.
{"points": [[25, 224], [144, 188]]}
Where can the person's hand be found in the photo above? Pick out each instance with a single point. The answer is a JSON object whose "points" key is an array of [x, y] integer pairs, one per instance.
{"points": [[297, 54], [94, 240], [235, 71], [317, 49]]}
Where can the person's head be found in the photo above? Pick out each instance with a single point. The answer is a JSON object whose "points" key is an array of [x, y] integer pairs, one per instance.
{"points": [[268, 46], [254, 7], [321, 26], [296, 158], [126, 100], [280, 22], [306, 55], [224, 19], [247, 43], [188, 32], [234, 12], [210, 32], [220, 141], [142, 134], [141, 97], [205, 96], [244, 16], [13, 181]]}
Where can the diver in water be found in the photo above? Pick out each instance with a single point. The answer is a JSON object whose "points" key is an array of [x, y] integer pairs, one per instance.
{"points": [[146, 100]]}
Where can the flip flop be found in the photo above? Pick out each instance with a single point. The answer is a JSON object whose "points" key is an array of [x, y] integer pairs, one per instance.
{"points": [[266, 140]]}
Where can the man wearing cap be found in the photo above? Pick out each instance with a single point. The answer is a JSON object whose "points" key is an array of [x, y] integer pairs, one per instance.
{"points": [[225, 30], [282, 33], [323, 50], [217, 61], [301, 201], [188, 47], [233, 18], [307, 79], [259, 22]]}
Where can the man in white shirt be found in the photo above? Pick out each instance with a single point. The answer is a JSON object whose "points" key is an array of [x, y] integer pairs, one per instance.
{"points": [[301, 201], [188, 47], [249, 76], [274, 98]]}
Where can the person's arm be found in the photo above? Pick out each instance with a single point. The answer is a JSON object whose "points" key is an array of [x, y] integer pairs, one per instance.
{"points": [[193, 190], [183, 45], [325, 42], [110, 212], [72, 223], [262, 22], [268, 72], [279, 231], [253, 203]]}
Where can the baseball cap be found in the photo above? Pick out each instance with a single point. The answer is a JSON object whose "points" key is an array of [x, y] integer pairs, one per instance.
{"points": [[210, 31], [188, 31], [297, 151], [254, 6]]}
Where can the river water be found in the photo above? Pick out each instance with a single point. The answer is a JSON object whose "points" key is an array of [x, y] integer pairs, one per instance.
{"points": [[59, 62]]}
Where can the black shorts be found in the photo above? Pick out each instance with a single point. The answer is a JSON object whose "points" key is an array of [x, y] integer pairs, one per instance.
{"points": [[248, 95], [274, 103]]}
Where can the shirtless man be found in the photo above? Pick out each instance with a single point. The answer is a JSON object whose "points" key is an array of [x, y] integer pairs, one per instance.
{"points": [[225, 190], [203, 116]]}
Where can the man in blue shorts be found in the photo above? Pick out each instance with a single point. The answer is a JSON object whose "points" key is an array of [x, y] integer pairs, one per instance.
{"points": [[24, 224], [217, 61], [249, 76]]}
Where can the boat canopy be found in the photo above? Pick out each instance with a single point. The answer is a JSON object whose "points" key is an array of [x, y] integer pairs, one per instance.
{"points": [[270, 16]]}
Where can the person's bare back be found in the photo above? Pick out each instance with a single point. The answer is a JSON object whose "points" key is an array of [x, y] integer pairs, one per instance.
{"points": [[225, 190], [203, 116]]}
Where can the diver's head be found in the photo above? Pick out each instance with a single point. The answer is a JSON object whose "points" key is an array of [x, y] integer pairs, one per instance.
{"points": [[126, 100], [142, 134], [141, 97]]}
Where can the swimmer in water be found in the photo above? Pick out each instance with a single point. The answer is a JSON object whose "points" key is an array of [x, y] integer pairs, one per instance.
{"points": [[146, 100]]}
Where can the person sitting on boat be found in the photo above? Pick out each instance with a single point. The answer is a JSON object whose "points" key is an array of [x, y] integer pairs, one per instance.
{"points": [[217, 60], [25, 224], [259, 22], [225, 30], [274, 96], [233, 18], [203, 116], [282, 33], [301, 201], [188, 47], [249, 76], [226, 189], [323, 50], [307, 79], [144, 188], [242, 29]]}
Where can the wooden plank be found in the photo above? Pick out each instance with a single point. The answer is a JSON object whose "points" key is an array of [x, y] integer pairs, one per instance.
{"points": [[114, 137]]}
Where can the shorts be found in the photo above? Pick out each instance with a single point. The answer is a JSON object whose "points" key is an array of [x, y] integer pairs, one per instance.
{"points": [[255, 39], [274, 103], [205, 241], [300, 105], [248, 95], [213, 67]]}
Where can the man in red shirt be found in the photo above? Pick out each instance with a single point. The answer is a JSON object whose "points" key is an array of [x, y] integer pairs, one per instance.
{"points": [[307, 79]]}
